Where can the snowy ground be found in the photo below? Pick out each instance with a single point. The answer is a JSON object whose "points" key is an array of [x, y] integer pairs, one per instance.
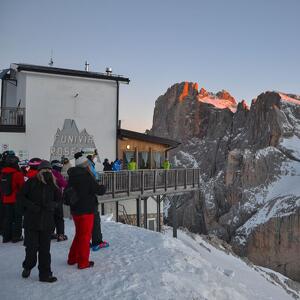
{"points": [[139, 264]]}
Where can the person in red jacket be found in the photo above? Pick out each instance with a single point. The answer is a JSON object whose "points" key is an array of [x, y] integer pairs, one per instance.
{"points": [[12, 181], [33, 167]]}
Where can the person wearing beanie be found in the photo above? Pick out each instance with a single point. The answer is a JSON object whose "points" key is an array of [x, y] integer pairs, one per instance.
{"points": [[84, 190], [58, 217], [33, 167], [97, 237], [39, 198], [12, 180]]}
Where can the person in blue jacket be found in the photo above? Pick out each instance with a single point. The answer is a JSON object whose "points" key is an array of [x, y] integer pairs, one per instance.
{"points": [[117, 165]]}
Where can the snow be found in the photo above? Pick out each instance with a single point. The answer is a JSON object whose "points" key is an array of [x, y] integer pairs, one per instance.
{"points": [[218, 103], [139, 264], [189, 158], [289, 99], [293, 144]]}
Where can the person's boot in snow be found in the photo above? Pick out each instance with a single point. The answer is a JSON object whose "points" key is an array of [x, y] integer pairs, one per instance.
{"points": [[26, 273], [90, 265], [54, 236], [49, 279], [61, 237], [103, 244]]}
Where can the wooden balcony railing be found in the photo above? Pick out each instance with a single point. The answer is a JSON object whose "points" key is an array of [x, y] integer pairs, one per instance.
{"points": [[149, 181]]}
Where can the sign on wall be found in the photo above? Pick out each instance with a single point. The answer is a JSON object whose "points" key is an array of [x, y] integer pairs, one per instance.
{"points": [[4, 147], [70, 140]]}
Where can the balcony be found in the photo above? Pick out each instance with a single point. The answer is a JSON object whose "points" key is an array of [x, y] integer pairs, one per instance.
{"points": [[12, 119]]}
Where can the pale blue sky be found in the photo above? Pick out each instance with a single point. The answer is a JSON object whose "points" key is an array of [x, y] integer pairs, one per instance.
{"points": [[246, 47]]}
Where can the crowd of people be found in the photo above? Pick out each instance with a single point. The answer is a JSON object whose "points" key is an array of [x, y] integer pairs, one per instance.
{"points": [[32, 197]]}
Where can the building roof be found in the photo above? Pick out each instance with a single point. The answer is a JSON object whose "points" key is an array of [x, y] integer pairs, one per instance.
{"points": [[123, 133], [3, 73], [69, 72]]}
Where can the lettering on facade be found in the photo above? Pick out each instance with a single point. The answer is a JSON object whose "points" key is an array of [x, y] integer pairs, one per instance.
{"points": [[69, 140]]}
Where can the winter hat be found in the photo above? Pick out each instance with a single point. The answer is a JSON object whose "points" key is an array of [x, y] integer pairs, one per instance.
{"points": [[12, 161], [81, 161], [78, 154], [45, 164], [34, 162], [56, 165], [23, 163]]}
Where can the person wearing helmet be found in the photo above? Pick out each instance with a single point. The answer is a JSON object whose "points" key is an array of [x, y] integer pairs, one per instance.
{"points": [[33, 167], [39, 197], [59, 215], [11, 183]]}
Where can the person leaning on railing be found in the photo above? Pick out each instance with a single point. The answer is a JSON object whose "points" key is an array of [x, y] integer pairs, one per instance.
{"points": [[132, 165], [166, 165]]}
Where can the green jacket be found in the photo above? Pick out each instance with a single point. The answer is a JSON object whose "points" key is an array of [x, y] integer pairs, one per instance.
{"points": [[132, 166], [166, 165]]}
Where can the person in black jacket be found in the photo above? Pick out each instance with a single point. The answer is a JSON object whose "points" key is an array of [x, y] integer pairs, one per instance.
{"points": [[39, 197], [107, 165], [83, 208]]}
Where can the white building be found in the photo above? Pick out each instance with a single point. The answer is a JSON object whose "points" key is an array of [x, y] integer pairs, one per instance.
{"points": [[52, 112]]}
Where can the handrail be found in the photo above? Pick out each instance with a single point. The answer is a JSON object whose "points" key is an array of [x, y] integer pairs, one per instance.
{"points": [[143, 181], [13, 116], [125, 215]]}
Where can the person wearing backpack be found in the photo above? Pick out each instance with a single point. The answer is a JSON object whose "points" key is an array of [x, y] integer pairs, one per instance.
{"points": [[39, 197], [11, 182], [82, 189]]}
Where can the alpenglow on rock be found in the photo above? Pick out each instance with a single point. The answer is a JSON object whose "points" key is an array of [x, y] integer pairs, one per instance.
{"points": [[250, 164]]}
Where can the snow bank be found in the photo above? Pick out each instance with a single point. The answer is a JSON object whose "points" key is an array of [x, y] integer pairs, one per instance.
{"points": [[139, 264]]}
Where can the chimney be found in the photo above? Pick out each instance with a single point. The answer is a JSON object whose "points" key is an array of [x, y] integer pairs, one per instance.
{"points": [[87, 65], [108, 71]]}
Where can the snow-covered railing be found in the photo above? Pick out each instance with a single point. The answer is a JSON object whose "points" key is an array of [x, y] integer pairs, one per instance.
{"points": [[147, 181]]}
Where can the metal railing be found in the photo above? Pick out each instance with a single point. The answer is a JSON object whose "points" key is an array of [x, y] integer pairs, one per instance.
{"points": [[145, 181], [13, 116]]}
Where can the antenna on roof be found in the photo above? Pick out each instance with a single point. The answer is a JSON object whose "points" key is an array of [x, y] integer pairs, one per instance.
{"points": [[86, 66], [51, 62]]}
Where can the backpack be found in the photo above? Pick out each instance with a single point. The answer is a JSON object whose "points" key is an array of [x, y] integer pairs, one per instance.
{"points": [[70, 196], [6, 184]]}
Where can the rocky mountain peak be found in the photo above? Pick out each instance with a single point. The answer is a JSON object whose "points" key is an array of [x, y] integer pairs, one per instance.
{"points": [[187, 89], [249, 160], [225, 96]]}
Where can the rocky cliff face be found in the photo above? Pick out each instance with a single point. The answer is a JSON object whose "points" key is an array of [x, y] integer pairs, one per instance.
{"points": [[250, 165]]}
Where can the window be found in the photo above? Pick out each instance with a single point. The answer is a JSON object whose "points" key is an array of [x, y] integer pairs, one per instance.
{"points": [[157, 160], [128, 155], [143, 160]]}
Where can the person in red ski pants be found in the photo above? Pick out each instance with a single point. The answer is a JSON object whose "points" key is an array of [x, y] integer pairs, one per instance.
{"points": [[81, 195]]}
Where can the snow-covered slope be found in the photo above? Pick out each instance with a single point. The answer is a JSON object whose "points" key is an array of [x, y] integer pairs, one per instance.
{"points": [[140, 264]]}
